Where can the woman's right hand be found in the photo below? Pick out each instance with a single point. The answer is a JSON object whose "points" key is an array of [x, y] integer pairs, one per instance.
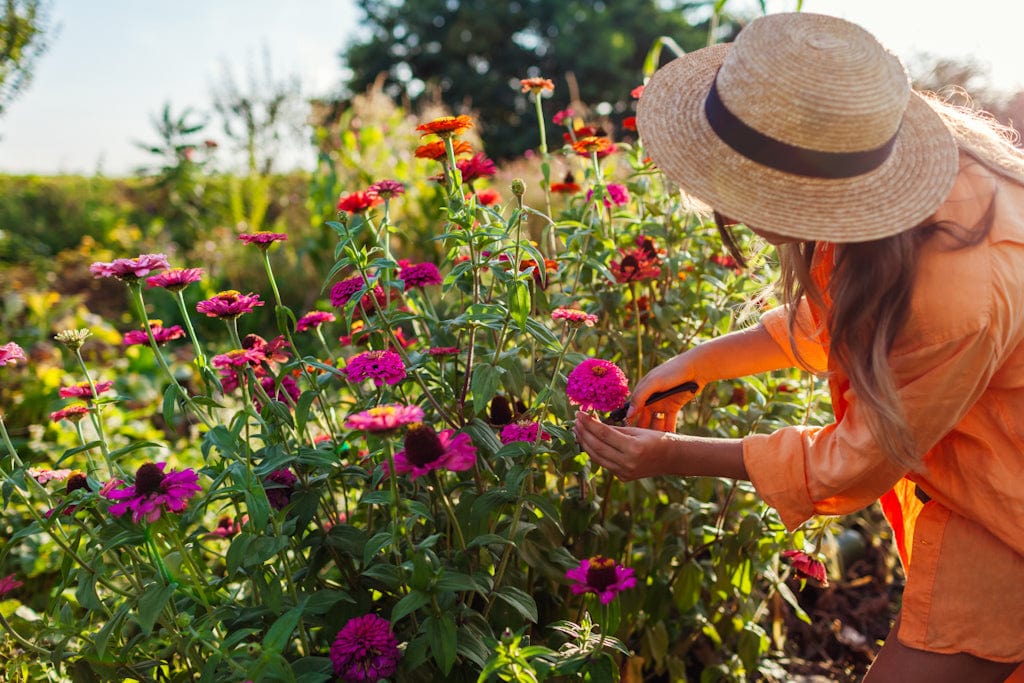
{"points": [[662, 414]]}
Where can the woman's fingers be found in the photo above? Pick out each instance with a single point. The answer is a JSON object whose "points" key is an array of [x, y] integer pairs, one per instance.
{"points": [[610, 447]]}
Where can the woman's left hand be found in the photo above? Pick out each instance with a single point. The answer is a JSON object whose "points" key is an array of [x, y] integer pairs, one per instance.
{"points": [[628, 452]]}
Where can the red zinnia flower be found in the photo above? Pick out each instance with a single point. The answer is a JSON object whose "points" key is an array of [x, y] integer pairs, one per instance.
{"points": [[561, 116], [574, 316], [446, 126], [565, 188], [602, 576], [73, 413], [279, 486], [806, 566], [488, 197], [522, 431], [536, 85], [637, 92], [358, 202], [419, 275], [629, 123], [477, 166]]}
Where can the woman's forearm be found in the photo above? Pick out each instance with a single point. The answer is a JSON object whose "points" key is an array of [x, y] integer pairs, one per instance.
{"points": [[737, 354]]}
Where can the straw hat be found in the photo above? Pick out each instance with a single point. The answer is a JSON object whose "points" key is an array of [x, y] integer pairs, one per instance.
{"points": [[805, 126]]}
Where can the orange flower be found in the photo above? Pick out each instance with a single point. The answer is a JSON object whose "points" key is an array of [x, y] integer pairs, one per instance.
{"points": [[565, 188], [629, 123], [592, 143], [358, 202], [435, 150], [536, 85], [488, 197], [446, 126]]}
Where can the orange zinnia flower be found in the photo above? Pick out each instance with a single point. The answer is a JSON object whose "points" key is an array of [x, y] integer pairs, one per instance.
{"points": [[358, 202], [435, 150], [536, 85], [592, 143], [446, 126], [565, 188]]}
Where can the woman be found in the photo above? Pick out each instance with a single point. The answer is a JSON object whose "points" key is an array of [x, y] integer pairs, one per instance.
{"points": [[900, 228]]}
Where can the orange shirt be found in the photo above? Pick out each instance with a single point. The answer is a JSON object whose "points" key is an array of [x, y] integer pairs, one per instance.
{"points": [[959, 369]]}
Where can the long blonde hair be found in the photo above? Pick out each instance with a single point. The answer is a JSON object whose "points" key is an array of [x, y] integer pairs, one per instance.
{"points": [[871, 285]]}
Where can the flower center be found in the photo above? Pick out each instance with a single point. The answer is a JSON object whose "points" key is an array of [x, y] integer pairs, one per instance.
{"points": [[148, 479], [422, 445], [601, 573], [501, 411], [76, 481], [230, 295], [598, 371]]}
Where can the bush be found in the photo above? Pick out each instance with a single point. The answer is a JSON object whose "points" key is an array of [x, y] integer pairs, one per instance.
{"points": [[256, 501]]}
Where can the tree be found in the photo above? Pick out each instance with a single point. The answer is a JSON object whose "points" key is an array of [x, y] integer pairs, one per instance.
{"points": [[472, 54], [23, 28]]}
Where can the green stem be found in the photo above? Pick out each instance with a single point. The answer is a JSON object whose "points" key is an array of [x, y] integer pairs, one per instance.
{"points": [[453, 520]]}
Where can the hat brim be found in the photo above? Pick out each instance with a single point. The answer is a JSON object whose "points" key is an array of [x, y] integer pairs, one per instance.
{"points": [[901, 193]]}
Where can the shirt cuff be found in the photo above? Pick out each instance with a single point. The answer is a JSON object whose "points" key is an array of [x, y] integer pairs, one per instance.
{"points": [[775, 465]]}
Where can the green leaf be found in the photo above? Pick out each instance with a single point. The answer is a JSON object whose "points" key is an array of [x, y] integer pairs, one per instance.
{"points": [[279, 634], [151, 603], [485, 383], [375, 545], [443, 637], [170, 394], [302, 409], [687, 588], [519, 303], [409, 604], [520, 600]]}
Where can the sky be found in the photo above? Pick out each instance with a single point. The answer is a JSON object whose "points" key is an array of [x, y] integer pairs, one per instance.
{"points": [[113, 64]]}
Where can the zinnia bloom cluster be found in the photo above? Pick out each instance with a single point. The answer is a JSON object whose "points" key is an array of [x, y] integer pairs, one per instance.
{"points": [[476, 167], [130, 268], [262, 357], [229, 304], [386, 189], [427, 450], [614, 195], [602, 576], [639, 263], [522, 431], [574, 316], [161, 334], [343, 291], [11, 354], [382, 366], [359, 202], [262, 239], [419, 275], [597, 384], [385, 418], [365, 650], [73, 413], [154, 492], [83, 390], [175, 279], [446, 126]]}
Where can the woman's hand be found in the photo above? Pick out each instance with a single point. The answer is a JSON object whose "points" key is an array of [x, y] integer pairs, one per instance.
{"points": [[662, 414], [631, 452]]}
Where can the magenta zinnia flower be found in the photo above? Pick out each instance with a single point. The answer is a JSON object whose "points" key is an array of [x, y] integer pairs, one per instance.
{"points": [[522, 431], [574, 316], [381, 366], [313, 319], [229, 304], [426, 450], [160, 333], [365, 650], [74, 413], [343, 291], [601, 575], [130, 268], [385, 418], [386, 189], [443, 351], [597, 384], [614, 195], [419, 275], [279, 485], [153, 492], [477, 166], [262, 239], [10, 354], [83, 390], [175, 279], [8, 584]]}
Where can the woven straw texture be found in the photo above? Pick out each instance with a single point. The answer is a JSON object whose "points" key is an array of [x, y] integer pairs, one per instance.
{"points": [[812, 81]]}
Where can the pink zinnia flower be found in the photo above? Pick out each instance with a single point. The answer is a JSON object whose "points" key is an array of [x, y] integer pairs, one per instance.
{"points": [[160, 333], [83, 390], [637, 92], [420, 275], [597, 384], [8, 584], [379, 365], [153, 492], [43, 475], [279, 485], [574, 316], [175, 279], [272, 351], [130, 268], [614, 195], [237, 358], [477, 166], [10, 354], [440, 351], [262, 239], [520, 431], [286, 388], [385, 418], [560, 116], [601, 575], [365, 650], [313, 319], [426, 450], [229, 304], [386, 189], [226, 527], [806, 566], [73, 413], [343, 291]]}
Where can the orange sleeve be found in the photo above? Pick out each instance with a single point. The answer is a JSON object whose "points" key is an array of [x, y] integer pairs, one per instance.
{"points": [[808, 347], [839, 468]]}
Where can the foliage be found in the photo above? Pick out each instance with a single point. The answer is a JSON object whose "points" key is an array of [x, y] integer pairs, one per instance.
{"points": [[23, 29], [256, 575], [471, 54]]}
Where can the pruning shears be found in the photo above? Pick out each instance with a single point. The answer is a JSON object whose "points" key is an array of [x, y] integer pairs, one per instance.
{"points": [[619, 414]]}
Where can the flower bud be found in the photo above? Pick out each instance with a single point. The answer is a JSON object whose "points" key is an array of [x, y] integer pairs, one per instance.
{"points": [[73, 339], [518, 187]]}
